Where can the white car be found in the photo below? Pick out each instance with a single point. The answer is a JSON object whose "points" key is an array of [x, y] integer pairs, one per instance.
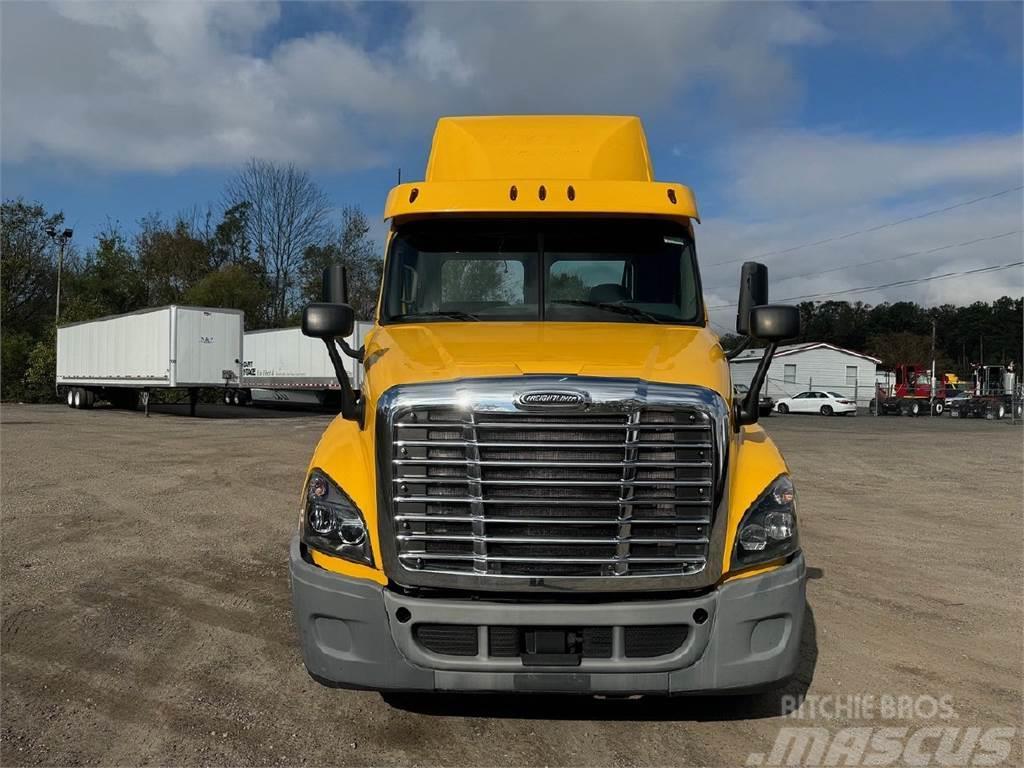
{"points": [[817, 401]]}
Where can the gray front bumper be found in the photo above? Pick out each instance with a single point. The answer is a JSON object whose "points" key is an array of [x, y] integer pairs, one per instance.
{"points": [[351, 637]]}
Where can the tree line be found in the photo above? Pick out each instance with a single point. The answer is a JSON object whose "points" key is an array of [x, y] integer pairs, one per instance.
{"points": [[261, 250], [902, 331]]}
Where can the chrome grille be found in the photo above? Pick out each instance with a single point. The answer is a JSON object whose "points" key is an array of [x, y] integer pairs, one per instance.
{"points": [[607, 492]]}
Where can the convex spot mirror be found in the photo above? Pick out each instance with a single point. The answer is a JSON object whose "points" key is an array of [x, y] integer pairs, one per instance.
{"points": [[328, 321], [774, 322]]}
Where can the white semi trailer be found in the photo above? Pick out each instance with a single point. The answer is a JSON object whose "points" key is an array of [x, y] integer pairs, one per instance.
{"points": [[122, 358], [281, 366]]}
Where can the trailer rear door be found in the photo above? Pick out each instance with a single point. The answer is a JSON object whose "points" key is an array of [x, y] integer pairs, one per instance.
{"points": [[208, 342]]}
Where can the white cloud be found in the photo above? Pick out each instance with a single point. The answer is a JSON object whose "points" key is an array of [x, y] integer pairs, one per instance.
{"points": [[166, 86], [803, 171], [794, 189], [151, 86]]}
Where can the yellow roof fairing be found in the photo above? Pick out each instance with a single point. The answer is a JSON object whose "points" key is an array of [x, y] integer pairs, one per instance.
{"points": [[518, 147], [540, 164]]}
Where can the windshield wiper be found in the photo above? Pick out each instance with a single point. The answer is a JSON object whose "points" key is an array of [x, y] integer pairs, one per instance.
{"points": [[622, 309], [448, 315]]}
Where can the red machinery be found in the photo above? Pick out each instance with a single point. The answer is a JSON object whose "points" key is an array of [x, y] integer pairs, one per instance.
{"points": [[911, 393]]}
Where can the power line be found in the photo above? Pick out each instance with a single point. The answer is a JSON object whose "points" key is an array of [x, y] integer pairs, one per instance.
{"points": [[836, 238], [915, 281], [925, 252]]}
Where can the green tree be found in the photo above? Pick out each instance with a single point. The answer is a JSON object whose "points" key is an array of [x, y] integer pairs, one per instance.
{"points": [[28, 275], [41, 369], [172, 259], [111, 281], [230, 243], [233, 286], [28, 279]]}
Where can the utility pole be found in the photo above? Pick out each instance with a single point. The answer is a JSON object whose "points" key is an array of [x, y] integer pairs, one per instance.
{"points": [[931, 400], [62, 241]]}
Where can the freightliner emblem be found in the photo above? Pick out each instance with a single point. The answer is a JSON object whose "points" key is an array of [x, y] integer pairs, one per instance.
{"points": [[551, 399]]}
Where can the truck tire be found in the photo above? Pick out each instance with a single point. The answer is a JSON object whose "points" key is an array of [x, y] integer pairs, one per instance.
{"points": [[826, 410], [915, 409], [783, 408], [938, 408]]}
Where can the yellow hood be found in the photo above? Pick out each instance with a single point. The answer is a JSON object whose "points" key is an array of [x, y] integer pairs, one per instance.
{"points": [[397, 354]]}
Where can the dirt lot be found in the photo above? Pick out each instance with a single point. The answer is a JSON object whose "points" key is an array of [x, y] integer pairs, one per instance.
{"points": [[145, 605]]}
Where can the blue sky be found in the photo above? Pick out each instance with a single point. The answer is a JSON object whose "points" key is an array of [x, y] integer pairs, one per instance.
{"points": [[792, 122]]}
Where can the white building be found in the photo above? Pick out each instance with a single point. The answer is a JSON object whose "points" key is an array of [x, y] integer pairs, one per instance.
{"points": [[801, 367]]}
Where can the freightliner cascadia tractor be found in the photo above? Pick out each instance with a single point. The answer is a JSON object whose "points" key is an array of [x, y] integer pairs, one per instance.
{"points": [[545, 482]]}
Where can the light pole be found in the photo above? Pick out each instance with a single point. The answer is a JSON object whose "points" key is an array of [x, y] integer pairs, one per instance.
{"points": [[62, 240]]}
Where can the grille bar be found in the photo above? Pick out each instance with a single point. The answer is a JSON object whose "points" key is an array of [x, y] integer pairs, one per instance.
{"points": [[542, 502], [403, 518], [559, 482], [541, 540], [524, 559], [565, 464], [533, 444], [527, 426]]}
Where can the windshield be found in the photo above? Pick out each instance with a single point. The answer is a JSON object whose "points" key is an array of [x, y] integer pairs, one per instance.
{"points": [[572, 270]]}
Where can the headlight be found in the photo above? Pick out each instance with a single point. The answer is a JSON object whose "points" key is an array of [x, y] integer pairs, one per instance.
{"points": [[332, 523], [768, 529]]}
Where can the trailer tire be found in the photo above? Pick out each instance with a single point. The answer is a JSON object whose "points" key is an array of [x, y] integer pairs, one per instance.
{"points": [[783, 408], [826, 410], [227, 397], [71, 398], [88, 399], [1001, 412], [78, 398]]}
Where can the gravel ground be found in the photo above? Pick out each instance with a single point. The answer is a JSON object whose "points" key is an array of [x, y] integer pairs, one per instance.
{"points": [[145, 606]]}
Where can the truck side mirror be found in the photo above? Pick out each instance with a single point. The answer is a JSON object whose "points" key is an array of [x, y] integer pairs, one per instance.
{"points": [[328, 321], [753, 293], [774, 322], [332, 323]]}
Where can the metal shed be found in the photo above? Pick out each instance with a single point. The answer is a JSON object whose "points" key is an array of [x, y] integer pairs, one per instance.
{"points": [[816, 365]]}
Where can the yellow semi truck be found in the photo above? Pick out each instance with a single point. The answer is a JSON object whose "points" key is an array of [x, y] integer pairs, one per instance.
{"points": [[545, 482]]}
